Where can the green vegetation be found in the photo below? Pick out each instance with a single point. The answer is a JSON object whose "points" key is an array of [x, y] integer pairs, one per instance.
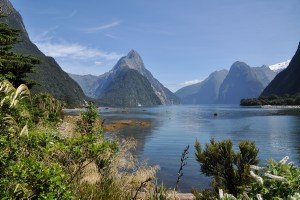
{"points": [[38, 162], [278, 180], [275, 100], [237, 176], [229, 170], [13, 66], [27, 170]]}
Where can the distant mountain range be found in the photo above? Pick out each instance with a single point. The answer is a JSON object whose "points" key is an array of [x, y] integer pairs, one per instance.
{"points": [[287, 81], [205, 92], [241, 82], [129, 83], [50, 77], [223, 87]]}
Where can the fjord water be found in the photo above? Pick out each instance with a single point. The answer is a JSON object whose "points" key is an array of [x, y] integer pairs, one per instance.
{"points": [[276, 133]]}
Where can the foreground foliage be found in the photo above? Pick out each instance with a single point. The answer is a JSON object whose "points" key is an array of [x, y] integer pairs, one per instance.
{"points": [[38, 162], [237, 176], [277, 180], [27, 170], [229, 169]]}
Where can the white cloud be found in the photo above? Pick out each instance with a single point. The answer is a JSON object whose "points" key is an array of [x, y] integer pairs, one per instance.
{"points": [[43, 35], [98, 63], [176, 86], [74, 58], [102, 27], [186, 83], [74, 51]]}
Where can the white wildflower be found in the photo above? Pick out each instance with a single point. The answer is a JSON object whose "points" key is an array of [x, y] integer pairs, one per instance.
{"points": [[254, 167], [256, 177], [221, 195], [230, 196], [283, 161], [279, 178], [291, 163], [258, 196], [295, 196]]}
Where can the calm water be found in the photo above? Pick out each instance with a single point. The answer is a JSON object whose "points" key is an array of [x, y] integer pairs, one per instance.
{"points": [[275, 131]]}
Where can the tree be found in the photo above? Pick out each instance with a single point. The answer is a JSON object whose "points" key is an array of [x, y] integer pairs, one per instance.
{"points": [[13, 66], [230, 170]]}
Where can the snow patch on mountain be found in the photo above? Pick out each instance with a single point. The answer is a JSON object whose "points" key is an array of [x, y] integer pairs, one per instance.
{"points": [[280, 66]]}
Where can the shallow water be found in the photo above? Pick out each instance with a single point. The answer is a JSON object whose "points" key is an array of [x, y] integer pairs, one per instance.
{"points": [[275, 131]]}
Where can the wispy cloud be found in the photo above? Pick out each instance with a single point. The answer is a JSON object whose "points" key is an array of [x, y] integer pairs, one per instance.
{"points": [[75, 51], [43, 35], [98, 63], [191, 82], [75, 58], [102, 27], [176, 86]]}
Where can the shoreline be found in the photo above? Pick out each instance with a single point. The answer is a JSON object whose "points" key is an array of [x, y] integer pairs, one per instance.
{"points": [[281, 107]]}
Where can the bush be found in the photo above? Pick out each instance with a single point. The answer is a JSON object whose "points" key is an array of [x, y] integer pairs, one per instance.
{"points": [[230, 170], [89, 122], [41, 163]]}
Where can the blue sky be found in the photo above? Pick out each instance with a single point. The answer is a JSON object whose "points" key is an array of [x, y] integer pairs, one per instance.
{"points": [[180, 41]]}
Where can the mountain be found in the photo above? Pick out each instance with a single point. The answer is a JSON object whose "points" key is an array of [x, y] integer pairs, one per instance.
{"points": [[110, 88], [49, 75], [225, 87], [280, 66], [287, 81], [241, 82], [264, 74], [129, 88], [205, 92], [88, 83]]}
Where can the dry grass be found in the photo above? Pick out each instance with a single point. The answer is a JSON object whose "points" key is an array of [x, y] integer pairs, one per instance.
{"points": [[68, 126], [121, 179], [124, 176], [119, 124]]}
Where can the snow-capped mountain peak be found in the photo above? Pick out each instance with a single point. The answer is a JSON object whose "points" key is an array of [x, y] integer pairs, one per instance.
{"points": [[280, 66]]}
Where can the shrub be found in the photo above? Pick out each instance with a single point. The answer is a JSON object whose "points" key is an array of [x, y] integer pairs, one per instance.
{"points": [[45, 108], [89, 122], [229, 170]]}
